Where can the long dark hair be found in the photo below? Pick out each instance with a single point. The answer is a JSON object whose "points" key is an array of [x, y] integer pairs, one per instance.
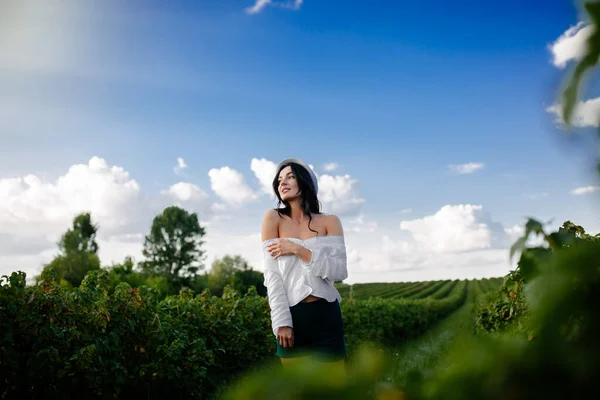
{"points": [[309, 204]]}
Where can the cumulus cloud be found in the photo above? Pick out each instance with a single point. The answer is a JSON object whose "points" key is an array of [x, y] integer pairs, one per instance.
{"points": [[192, 197], [340, 194], [259, 5], [359, 224], [181, 165], [248, 245], [467, 168], [35, 212], [230, 186], [585, 190], [265, 171], [331, 166], [456, 242], [185, 191], [456, 228], [29, 205], [571, 45]]}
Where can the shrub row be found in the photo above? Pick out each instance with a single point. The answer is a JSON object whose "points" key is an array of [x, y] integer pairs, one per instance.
{"points": [[93, 341], [388, 321], [60, 342]]}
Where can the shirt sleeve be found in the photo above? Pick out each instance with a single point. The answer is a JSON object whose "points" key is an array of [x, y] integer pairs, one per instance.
{"points": [[328, 260], [278, 301]]}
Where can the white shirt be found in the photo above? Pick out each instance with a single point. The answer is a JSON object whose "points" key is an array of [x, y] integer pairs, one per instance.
{"points": [[289, 280]]}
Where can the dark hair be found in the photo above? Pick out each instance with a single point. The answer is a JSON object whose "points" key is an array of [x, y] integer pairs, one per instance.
{"points": [[309, 204]]}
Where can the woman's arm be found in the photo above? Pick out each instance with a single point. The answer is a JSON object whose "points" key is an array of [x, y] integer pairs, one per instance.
{"points": [[273, 281], [327, 261]]}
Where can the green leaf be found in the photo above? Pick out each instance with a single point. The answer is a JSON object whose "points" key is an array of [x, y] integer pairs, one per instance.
{"points": [[571, 92], [517, 246], [533, 226]]}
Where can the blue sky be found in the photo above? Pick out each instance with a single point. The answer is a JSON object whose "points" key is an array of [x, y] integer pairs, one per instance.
{"points": [[393, 92]]}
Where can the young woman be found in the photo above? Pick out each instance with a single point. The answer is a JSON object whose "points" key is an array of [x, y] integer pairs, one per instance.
{"points": [[304, 254]]}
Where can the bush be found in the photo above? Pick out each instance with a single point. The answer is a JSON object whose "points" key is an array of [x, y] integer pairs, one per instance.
{"points": [[389, 321], [85, 342], [98, 341]]}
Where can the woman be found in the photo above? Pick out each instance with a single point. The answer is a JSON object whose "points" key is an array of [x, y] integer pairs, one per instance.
{"points": [[304, 254]]}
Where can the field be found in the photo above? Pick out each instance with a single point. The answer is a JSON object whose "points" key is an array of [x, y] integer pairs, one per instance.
{"points": [[422, 352], [413, 290]]}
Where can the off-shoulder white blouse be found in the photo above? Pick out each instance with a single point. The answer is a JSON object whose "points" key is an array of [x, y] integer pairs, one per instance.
{"points": [[289, 280]]}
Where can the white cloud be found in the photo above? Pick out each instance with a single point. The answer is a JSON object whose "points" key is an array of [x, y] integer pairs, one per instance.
{"points": [[230, 186], [406, 211], [186, 192], [585, 190], [259, 5], [181, 165], [585, 113], [468, 168], [114, 249], [571, 45], [457, 242], [340, 194], [265, 171], [29, 205], [221, 243], [331, 166], [359, 224], [353, 255], [35, 212], [456, 228]]}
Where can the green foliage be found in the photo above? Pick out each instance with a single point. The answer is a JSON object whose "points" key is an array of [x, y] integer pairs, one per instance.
{"points": [[106, 340], [507, 309], [588, 61], [562, 360], [78, 253], [387, 322], [235, 272], [80, 238], [90, 341], [309, 380], [173, 247]]}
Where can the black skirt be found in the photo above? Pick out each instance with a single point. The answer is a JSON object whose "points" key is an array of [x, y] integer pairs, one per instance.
{"points": [[318, 331]]}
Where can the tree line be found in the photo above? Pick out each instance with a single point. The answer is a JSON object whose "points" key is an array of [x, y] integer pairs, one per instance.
{"points": [[174, 258]]}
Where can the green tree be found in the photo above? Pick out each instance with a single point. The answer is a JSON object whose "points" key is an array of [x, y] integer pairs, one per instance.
{"points": [[234, 271], [78, 253], [125, 272], [173, 247]]}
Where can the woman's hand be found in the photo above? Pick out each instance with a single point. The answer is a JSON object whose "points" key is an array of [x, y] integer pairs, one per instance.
{"points": [[285, 335], [282, 247]]}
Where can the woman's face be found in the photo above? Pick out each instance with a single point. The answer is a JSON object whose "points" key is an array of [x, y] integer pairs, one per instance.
{"points": [[288, 185]]}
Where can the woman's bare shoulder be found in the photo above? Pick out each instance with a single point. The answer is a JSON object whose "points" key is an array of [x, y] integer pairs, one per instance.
{"points": [[270, 224], [334, 225], [271, 214]]}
